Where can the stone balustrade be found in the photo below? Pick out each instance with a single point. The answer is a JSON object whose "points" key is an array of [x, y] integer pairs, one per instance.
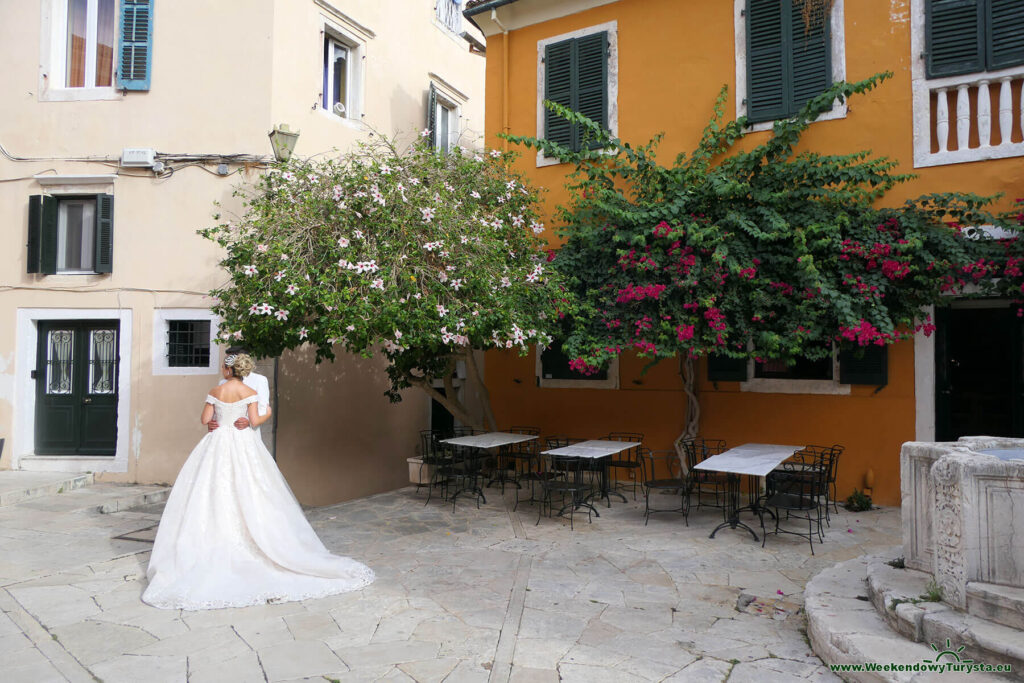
{"points": [[970, 118]]}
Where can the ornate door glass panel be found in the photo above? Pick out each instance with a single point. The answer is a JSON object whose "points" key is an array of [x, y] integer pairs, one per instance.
{"points": [[60, 361], [102, 361]]}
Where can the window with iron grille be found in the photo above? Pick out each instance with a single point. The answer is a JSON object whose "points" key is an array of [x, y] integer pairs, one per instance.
{"points": [[188, 343]]}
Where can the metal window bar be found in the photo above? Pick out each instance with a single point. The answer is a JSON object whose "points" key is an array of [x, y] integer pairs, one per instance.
{"points": [[60, 362], [102, 365], [188, 343], [449, 13]]}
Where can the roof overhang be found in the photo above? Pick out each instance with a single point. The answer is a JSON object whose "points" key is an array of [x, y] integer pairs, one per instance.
{"points": [[498, 16]]}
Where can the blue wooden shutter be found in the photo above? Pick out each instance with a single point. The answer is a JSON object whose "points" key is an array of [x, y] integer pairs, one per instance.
{"points": [[954, 32], [768, 47], [726, 369], [810, 57], [867, 365], [558, 87], [591, 81], [136, 45], [1004, 21], [104, 242]]}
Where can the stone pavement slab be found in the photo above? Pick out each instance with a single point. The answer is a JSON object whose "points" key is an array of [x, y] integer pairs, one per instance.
{"points": [[470, 595]]}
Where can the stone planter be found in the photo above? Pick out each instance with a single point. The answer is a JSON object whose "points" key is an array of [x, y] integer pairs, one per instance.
{"points": [[419, 473]]}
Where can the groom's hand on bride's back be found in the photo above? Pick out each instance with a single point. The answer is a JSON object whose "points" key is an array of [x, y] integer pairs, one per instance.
{"points": [[240, 423]]}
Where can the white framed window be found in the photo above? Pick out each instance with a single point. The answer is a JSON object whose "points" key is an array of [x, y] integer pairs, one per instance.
{"points": [[342, 72], [802, 377], [445, 103], [76, 235], [78, 50], [610, 76], [184, 342], [836, 33], [337, 64], [447, 118], [553, 372]]}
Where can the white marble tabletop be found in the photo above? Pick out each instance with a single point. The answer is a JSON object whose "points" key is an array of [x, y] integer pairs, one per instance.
{"points": [[593, 449], [489, 440], [751, 458]]}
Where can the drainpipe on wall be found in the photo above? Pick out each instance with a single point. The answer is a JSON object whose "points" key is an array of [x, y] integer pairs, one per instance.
{"points": [[504, 77]]}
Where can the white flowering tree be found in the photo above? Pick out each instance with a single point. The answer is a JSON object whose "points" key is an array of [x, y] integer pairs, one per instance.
{"points": [[415, 255]]}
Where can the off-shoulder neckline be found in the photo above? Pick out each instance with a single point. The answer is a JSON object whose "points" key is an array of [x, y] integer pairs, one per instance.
{"points": [[231, 403]]}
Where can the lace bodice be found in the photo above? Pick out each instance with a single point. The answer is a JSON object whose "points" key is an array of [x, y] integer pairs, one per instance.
{"points": [[227, 413]]}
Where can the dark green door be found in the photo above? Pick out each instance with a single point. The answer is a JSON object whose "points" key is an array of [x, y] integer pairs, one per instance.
{"points": [[979, 376], [76, 387]]}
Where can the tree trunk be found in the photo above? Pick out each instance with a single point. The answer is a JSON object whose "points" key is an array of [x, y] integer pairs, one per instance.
{"points": [[449, 399], [477, 382], [689, 374]]}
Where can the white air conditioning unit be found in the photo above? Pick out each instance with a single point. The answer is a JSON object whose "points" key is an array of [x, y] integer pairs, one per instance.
{"points": [[138, 157]]}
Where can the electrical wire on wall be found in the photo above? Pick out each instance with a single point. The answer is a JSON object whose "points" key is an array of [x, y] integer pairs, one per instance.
{"points": [[165, 168]]}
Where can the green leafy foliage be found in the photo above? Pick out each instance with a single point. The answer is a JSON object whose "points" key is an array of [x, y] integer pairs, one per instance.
{"points": [[858, 501], [765, 253], [414, 255]]}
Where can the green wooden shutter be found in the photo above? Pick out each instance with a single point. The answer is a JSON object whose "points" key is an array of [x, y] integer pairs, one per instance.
{"points": [[726, 369], [768, 45], [810, 58], [42, 234], [135, 46], [868, 365], [432, 115], [591, 82], [558, 87], [35, 229], [104, 242], [1004, 23], [954, 32]]}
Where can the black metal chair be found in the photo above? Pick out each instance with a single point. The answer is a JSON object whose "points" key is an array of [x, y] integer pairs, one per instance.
{"points": [[702, 481], [437, 456], [516, 458], [833, 471], [662, 471], [466, 467], [567, 482], [628, 460], [798, 487]]}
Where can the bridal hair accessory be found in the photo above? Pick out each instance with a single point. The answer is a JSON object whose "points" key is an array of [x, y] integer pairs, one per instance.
{"points": [[229, 361]]}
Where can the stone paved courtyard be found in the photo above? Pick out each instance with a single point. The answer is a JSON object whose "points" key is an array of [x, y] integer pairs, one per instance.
{"points": [[474, 595]]}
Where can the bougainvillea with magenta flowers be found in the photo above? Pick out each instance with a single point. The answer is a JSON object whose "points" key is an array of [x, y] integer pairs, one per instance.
{"points": [[771, 253]]}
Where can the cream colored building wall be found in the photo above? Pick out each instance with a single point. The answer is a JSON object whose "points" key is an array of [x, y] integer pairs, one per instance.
{"points": [[218, 86]]}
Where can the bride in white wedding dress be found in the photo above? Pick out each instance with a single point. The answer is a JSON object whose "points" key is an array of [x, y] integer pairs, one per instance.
{"points": [[232, 533]]}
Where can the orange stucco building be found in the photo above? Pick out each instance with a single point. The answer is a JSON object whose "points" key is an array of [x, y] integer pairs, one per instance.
{"points": [[956, 124]]}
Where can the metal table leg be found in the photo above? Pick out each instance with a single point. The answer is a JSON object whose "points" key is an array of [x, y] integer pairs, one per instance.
{"points": [[733, 507]]}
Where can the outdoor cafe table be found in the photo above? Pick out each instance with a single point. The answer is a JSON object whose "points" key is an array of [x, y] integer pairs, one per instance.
{"points": [[594, 449], [753, 459], [483, 441]]}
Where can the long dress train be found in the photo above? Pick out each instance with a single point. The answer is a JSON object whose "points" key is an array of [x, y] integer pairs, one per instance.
{"points": [[232, 533]]}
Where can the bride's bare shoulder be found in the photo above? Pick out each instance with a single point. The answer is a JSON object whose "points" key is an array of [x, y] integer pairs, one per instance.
{"points": [[231, 392]]}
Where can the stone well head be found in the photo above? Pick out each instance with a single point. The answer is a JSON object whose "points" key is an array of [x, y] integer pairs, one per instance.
{"points": [[963, 512]]}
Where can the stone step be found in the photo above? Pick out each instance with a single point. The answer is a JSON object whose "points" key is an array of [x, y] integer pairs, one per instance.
{"points": [[103, 498], [1001, 604], [17, 486]]}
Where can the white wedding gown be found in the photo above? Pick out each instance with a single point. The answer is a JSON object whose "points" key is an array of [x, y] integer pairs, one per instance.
{"points": [[232, 533]]}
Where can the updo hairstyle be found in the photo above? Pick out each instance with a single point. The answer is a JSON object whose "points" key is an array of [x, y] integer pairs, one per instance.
{"points": [[241, 364]]}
